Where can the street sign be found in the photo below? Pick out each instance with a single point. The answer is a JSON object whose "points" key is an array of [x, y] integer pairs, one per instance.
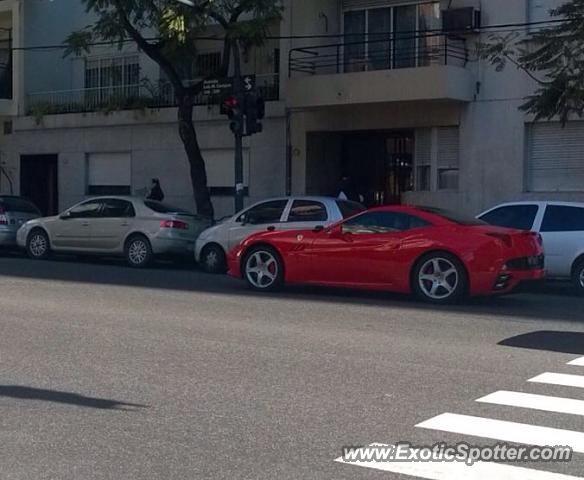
{"points": [[226, 86], [218, 86]]}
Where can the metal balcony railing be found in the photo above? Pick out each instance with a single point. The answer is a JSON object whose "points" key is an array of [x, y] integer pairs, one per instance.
{"points": [[127, 97], [383, 52]]}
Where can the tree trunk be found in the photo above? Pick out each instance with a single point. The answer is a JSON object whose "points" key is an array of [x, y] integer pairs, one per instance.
{"points": [[188, 136]]}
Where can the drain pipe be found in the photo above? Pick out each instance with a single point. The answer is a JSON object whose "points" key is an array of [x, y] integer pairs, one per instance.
{"points": [[5, 173]]}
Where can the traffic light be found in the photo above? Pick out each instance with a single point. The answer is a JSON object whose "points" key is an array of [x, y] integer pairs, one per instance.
{"points": [[255, 111], [232, 107]]}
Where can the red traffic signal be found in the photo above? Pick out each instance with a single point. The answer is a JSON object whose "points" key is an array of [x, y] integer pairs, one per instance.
{"points": [[231, 102]]}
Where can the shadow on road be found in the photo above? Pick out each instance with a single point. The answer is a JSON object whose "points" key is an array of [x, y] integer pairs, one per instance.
{"points": [[550, 302], [562, 342], [30, 393]]}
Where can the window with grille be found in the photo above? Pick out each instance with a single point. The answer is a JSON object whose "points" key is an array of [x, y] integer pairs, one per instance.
{"points": [[112, 72]]}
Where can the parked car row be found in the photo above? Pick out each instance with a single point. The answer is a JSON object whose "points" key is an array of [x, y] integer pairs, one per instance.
{"points": [[434, 254]]}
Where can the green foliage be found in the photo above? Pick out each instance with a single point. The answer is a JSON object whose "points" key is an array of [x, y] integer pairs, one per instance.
{"points": [[553, 57]]}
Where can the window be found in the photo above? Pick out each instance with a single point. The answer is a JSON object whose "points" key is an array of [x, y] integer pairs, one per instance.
{"points": [[382, 37], [89, 209], [208, 64], [307, 211], [382, 222], [267, 212], [112, 76], [109, 174], [555, 157], [448, 158], [513, 216], [563, 219], [116, 208], [349, 208]]}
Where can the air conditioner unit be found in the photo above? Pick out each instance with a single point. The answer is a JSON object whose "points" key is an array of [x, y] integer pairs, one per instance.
{"points": [[460, 20]]}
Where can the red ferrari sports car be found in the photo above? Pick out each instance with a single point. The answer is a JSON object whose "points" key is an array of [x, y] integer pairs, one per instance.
{"points": [[434, 254]]}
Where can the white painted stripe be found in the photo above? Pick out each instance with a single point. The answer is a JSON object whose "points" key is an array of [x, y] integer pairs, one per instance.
{"points": [[458, 470], [579, 362], [535, 402], [563, 379], [506, 431]]}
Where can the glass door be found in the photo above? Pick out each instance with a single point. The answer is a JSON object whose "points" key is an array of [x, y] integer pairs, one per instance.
{"points": [[379, 38], [404, 28], [355, 34]]}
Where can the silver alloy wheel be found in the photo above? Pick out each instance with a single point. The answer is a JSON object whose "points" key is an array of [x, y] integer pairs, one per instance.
{"points": [[581, 279], [138, 252], [438, 278], [261, 269], [211, 259], [38, 245]]}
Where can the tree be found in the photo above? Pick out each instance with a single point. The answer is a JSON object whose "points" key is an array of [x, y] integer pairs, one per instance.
{"points": [[178, 28], [553, 57]]}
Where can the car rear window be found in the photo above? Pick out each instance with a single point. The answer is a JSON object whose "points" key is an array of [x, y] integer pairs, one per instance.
{"points": [[456, 217], [349, 208], [307, 211], [15, 204], [160, 207]]}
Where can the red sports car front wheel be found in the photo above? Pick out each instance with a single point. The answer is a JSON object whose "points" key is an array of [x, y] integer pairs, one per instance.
{"points": [[439, 278], [263, 269]]}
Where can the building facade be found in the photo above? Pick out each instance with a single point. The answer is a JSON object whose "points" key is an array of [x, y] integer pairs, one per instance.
{"points": [[412, 115], [370, 89], [106, 122]]}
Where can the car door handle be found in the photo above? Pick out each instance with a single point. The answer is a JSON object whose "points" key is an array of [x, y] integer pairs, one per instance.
{"points": [[85, 224], [125, 224]]}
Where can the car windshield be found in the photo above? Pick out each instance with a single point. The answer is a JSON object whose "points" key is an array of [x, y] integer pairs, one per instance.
{"points": [[160, 207], [456, 217], [15, 204]]}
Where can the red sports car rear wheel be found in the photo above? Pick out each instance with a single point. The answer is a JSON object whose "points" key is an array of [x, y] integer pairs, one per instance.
{"points": [[439, 278]]}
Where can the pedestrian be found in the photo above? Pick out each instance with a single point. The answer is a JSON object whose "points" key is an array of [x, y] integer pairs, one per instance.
{"points": [[347, 190], [156, 192]]}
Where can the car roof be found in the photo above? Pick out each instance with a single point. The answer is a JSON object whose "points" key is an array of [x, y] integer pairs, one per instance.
{"points": [[317, 198], [540, 203]]}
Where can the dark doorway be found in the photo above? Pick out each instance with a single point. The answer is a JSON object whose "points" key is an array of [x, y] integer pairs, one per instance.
{"points": [[380, 164], [39, 181]]}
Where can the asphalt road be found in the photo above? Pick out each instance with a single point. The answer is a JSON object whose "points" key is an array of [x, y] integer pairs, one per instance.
{"points": [[168, 373]]}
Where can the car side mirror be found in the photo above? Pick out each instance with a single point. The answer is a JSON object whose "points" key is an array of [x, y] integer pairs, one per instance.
{"points": [[318, 229], [65, 216]]}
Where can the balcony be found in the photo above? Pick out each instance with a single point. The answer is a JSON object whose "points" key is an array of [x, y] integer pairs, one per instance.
{"points": [[396, 68], [144, 95]]}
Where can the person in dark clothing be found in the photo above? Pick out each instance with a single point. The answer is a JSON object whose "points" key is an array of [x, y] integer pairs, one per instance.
{"points": [[156, 192], [347, 190]]}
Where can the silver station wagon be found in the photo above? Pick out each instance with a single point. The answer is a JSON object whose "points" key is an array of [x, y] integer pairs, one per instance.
{"points": [[133, 227]]}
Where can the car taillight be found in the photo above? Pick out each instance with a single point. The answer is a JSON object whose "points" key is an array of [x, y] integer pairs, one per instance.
{"points": [[506, 239], [176, 224]]}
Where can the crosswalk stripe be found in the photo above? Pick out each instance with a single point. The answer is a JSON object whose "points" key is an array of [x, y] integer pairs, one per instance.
{"points": [[505, 431], [535, 402], [454, 470], [564, 379], [579, 362]]}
